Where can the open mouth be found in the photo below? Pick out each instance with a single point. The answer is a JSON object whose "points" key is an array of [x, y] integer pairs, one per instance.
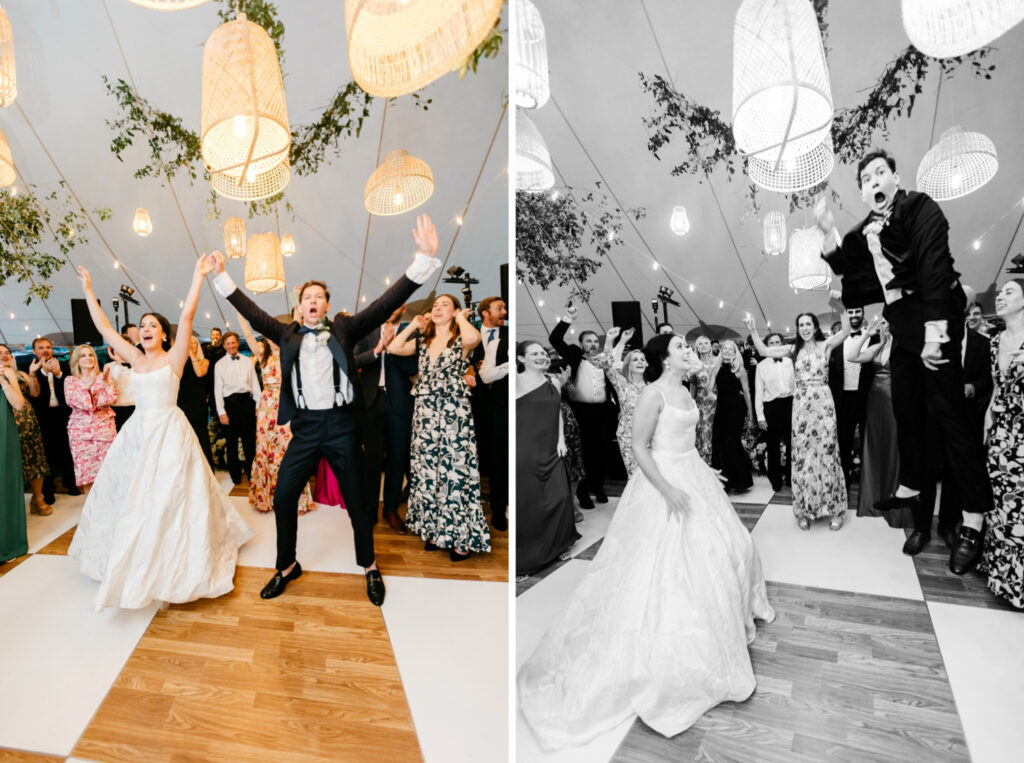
{"points": [[879, 198]]}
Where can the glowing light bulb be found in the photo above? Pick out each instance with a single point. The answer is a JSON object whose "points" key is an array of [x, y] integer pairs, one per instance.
{"points": [[571, 331], [152, 287], [768, 324], [721, 304], [207, 316], [116, 264], [540, 303], [956, 180], [12, 316], [611, 235], [14, 190], [241, 126], [976, 244], [181, 303], [250, 175], [387, 280], [554, 195], [363, 298], [458, 220], [789, 163], [71, 232], [692, 287], [398, 196], [654, 265], [26, 327]]}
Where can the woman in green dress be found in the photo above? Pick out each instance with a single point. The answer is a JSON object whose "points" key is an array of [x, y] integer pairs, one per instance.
{"points": [[13, 539], [33, 454]]}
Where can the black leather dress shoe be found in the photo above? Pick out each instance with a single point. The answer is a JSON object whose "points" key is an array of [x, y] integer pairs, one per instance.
{"points": [[279, 582], [457, 557], [600, 497], [74, 491], [430, 546], [585, 502], [966, 553], [375, 587], [499, 522], [893, 502], [916, 543], [951, 537], [395, 522]]}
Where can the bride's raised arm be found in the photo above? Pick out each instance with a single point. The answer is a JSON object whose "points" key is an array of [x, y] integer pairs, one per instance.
{"points": [[125, 349], [178, 353]]}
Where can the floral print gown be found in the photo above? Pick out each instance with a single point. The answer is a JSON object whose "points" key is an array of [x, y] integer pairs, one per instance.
{"points": [[444, 489], [33, 455], [91, 425], [271, 443], [706, 398], [629, 393], [1003, 558], [819, 488]]}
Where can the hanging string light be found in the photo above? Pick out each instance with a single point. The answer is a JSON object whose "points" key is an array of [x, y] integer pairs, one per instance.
{"points": [[264, 265], [680, 223], [234, 237], [401, 183], [532, 88], [950, 28], [287, 245], [774, 233], [960, 163], [533, 162], [8, 78], [807, 269], [142, 224]]}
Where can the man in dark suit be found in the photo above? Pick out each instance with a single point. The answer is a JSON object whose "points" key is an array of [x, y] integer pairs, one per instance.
{"points": [[491, 409], [213, 351], [850, 383], [385, 418], [46, 393], [320, 399], [899, 254]]}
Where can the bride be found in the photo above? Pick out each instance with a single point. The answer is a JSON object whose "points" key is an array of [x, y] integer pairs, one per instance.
{"points": [[156, 525], [659, 625]]}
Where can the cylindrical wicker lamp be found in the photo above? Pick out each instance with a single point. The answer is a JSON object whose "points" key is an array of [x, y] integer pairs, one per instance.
{"points": [[950, 28], [794, 174], [8, 78], [781, 96], [7, 174], [774, 233], [680, 223], [960, 163], [168, 5], [533, 162], [264, 266], [401, 183], [245, 136], [287, 245], [532, 88], [807, 269], [398, 46], [234, 237], [142, 224]]}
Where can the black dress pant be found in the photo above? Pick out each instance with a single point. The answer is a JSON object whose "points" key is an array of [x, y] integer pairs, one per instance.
{"points": [[593, 422], [53, 425], [778, 415], [332, 434], [495, 452], [387, 438], [241, 411], [850, 411]]}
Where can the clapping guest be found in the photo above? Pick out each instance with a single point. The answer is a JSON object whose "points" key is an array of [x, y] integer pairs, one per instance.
{"points": [[120, 374], [774, 384], [33, 455], [627, 377], [91, 426], [13, 537], [732, 411], [236, 390], [444, 493], [52, 411]]}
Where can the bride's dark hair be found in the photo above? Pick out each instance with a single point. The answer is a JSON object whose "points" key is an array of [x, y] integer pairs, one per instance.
{"points": [[656, 350], [165, 325]]}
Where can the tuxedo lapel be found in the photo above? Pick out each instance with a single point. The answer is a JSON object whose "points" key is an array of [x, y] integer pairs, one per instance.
{"points": [[339, 354]]}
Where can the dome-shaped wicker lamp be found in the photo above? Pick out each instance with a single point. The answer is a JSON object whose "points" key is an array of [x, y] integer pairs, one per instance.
{"points": [[533, 162], [532, 88], [807, 269], [142, 224], [960, 163], [168, 5], [794, 174], [234, 237], [245, 136], [8, 78], [264, 266], [680, 223], [774, 233], [950, 28], [781, 96], [401, 183], [398, 46], [287, 245], [8, 176]]}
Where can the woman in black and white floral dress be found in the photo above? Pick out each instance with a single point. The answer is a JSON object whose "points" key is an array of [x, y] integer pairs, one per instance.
{"points": [[444, 484], [1003, 559]]}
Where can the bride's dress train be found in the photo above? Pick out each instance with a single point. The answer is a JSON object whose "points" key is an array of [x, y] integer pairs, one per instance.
{"points": [[660, 624], [156, 525]]}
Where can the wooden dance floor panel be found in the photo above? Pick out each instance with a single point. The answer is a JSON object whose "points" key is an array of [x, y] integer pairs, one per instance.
{"points": [[873, 656], [319, 674]]}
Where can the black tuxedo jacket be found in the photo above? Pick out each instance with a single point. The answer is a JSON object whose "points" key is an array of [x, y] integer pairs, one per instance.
{"points": [[978, 371], [43, 401], [836, 371], [573, 355], [346, 330], [398, 371], [496, 393]]}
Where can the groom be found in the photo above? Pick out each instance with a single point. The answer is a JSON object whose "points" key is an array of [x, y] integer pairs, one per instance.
{"points": [[320, 399]]}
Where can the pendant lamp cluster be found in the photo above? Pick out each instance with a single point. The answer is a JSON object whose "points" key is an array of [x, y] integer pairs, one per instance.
{"points": [[950, 28], [264, 264], [961, 162], [534, 171], [774, 233], [807, 269], [8, 92]]}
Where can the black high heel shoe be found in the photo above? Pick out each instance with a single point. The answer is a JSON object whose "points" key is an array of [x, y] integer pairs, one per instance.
{"points": [[457, 557]]}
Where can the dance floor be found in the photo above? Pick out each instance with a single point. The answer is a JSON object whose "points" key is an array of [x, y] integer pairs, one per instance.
{"points": [[873, 655], [319, 674]]}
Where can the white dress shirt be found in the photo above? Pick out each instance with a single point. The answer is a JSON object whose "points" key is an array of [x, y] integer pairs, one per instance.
{"points": [[490, 370], [589, 385], [53, 390], [234, 375], [851, 371], [771, 381]]}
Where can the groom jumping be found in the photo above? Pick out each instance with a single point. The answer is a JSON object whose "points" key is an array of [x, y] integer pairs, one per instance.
{"points": [[320, 400]]}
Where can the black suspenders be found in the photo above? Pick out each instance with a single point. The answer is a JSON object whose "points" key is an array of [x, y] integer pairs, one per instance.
{"points": [[339, 397]]}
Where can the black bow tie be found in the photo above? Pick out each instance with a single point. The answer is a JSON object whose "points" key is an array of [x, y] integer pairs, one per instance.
{"points": [[234, 357], [306, 330], [856, 333], [777, 360]]}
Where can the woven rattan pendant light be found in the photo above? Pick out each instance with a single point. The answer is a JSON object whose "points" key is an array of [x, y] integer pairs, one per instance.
{"points": [[398, 46], [7, 174], [533, 162], [532, 88], [401, 183], [264, 266], [287, 245], [245, 136], [807, 270], [142, 224], [679, 223], [960, 163], [234, 237], [8, 78], [781, 97], [774, 233], [168, 5], [950, 28], [794, 174]]}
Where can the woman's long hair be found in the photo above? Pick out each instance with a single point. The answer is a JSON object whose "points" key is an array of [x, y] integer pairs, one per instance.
{"points": [[76, 357], [165, 325], [431, 330], [818, 336], [656, 350]]}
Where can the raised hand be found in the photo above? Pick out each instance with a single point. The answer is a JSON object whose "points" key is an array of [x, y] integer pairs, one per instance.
{"points": [[874, 325], [205, 265], [425, 236], [35, 365], [83, 276], [217, 260], [421, 322], [613, 333], [464, 312], [749, 323], [571, 312], [628, 334]]}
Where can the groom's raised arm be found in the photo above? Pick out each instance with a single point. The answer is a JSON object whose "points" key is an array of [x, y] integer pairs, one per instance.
{"points": [[264, 323]]}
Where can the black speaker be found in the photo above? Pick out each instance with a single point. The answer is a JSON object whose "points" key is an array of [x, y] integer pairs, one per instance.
{"points": [[81, 323], [504, 282], [626, 315]]}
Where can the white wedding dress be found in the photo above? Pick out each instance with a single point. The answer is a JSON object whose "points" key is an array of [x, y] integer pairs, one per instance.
{"points": [[659, 625], [156, 525]]}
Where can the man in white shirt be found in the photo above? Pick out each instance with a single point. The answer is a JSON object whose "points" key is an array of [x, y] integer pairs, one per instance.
{"points": [[773, 401], [236, 391], [319, 399], [491, 405]]}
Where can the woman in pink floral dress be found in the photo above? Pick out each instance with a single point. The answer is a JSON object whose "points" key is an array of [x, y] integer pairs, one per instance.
{"points": [[91, 425]]}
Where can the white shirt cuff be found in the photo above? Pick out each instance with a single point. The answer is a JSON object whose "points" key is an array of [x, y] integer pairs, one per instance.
{"points": [[491, 374], [935, 331], [224, 284], [422, 268]]}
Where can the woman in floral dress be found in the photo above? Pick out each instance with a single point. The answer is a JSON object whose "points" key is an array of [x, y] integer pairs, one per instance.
{"points": [[33, 457], [705, 395], [1003, 558], [819, 487], [444, 487], [91, 426], [627, 377]]}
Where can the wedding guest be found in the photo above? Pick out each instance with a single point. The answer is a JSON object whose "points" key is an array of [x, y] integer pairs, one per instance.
{"points": [[236, 391], [819, 488], [665, 328], [491, 395], [849, 382], [545, 529], [213, 351], [1003, 558], [52, 411], [33, 454], [733, 410], [774, 384], [132, 331], [192, 395], [91, 426], [716, 347], [703, 386], [120, 374], [627, 377], [444, 493], [976, 319], [13, 536]]}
